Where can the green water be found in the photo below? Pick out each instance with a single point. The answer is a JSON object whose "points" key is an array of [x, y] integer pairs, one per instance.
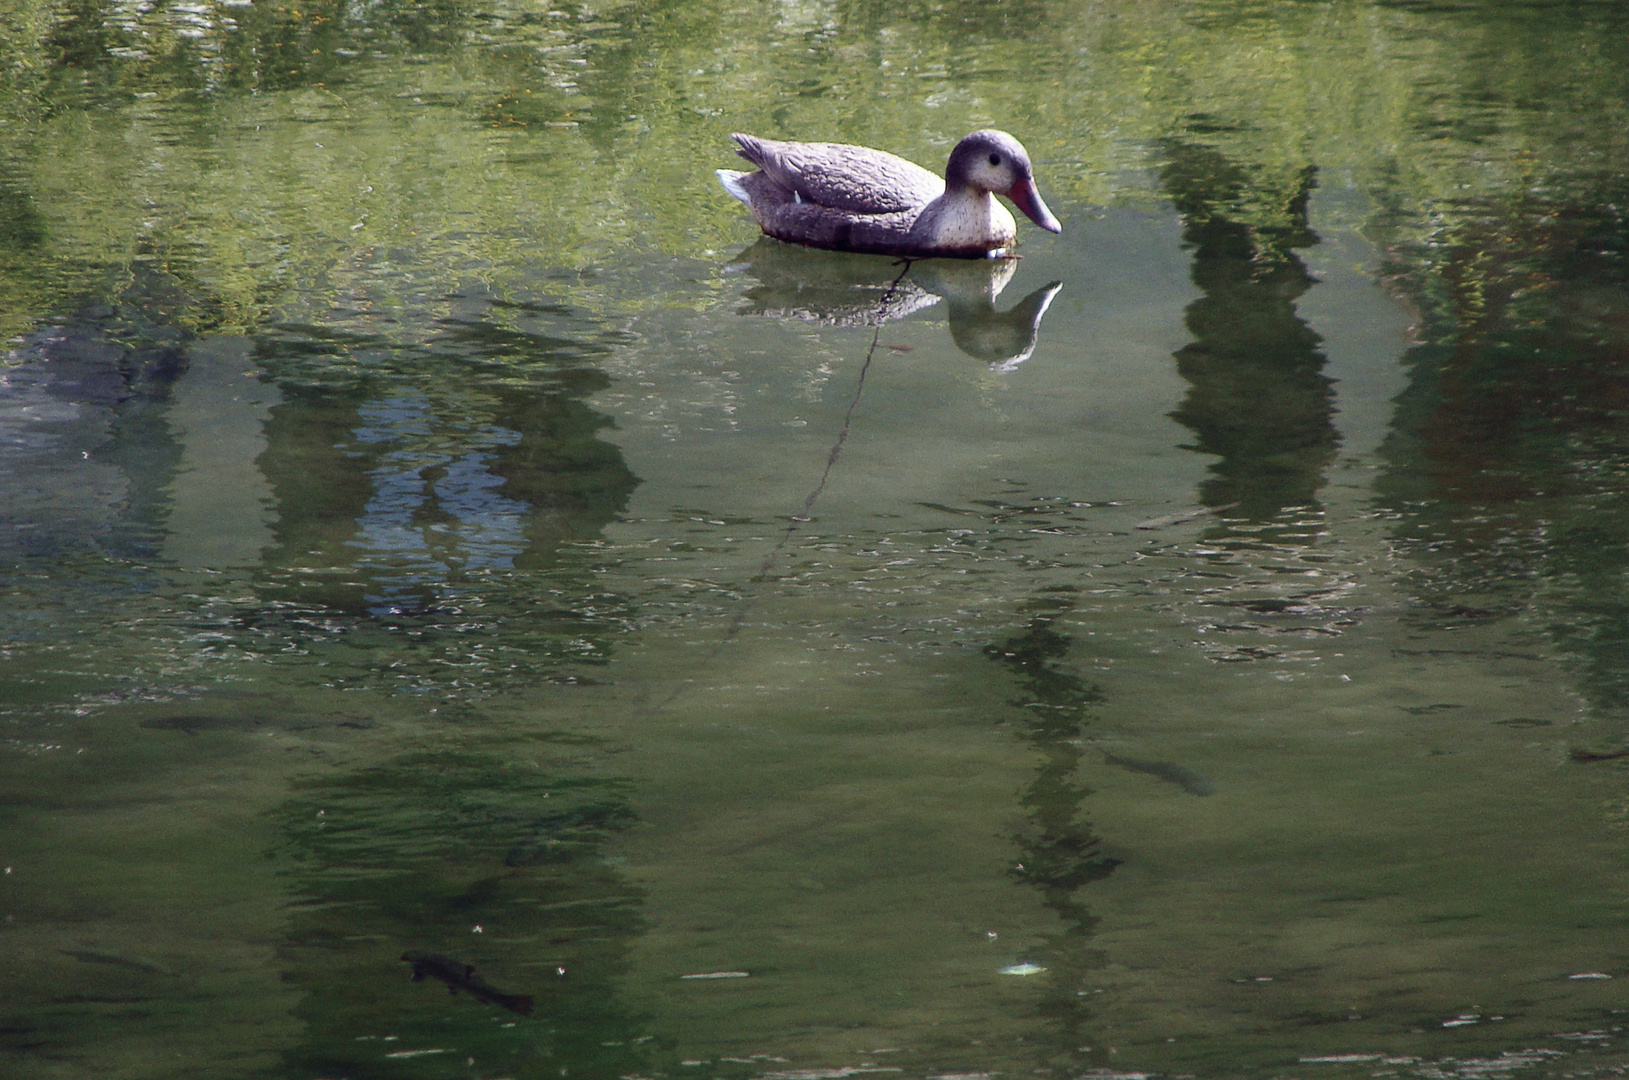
{"points": [[432, 520]]}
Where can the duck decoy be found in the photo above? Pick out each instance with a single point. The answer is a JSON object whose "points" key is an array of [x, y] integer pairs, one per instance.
{"points": [[853, 198]]}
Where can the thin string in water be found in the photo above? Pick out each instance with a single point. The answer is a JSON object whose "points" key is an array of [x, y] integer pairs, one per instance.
{"points": [[813, 497], [836, 447]]}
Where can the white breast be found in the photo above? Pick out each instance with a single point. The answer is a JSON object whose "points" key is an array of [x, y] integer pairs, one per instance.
{"points": [[971, 220]]}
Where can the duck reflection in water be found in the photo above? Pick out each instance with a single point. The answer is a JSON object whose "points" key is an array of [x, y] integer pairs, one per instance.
{"points": [[839, 289]]}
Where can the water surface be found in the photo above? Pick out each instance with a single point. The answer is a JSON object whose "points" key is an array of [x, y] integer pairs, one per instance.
{"points": [[435, 522]]}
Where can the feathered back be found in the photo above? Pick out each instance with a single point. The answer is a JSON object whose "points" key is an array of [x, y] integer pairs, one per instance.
{"points": [[855, 179]]}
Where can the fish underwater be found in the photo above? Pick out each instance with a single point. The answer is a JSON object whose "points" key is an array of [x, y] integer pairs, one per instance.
{"points": [[1583, 756], [86, 956], [192, 723], [460, 976], [1187, 779]]}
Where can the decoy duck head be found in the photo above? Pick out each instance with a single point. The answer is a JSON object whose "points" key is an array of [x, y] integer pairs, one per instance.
{"points": [[995, 161]]}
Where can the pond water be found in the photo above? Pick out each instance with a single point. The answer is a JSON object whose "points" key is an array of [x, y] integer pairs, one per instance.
{"points": [[435, 523]]}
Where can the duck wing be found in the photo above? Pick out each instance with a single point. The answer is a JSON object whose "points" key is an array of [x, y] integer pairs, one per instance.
{"points": [[855, 179]]}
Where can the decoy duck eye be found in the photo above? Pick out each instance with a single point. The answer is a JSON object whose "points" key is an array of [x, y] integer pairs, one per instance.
{"points": [[995, 159]]}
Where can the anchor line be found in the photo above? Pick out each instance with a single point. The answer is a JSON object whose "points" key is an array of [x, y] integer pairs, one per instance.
{"points": [[842, 434], [813, 497]]}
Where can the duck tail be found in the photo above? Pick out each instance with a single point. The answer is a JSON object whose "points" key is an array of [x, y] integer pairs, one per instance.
{"points": [[732, 184], [750, 147]]}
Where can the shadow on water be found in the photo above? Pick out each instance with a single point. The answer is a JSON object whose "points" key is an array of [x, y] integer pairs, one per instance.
{"points": [[1258, 399], [416, 481], [837, 289], [424, 503], [489, 861], [423, 464], [428, 496], [88, 452], [442, 487], [1059, 851]]}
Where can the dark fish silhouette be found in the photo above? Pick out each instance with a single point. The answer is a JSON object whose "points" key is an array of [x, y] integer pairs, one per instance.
{"points": [[192, 723], [1187, 779], [1182, 517], [1590, 755], [86, 956], [459, 976]]}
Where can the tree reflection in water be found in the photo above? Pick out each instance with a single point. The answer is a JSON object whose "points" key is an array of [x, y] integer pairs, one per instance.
{"points": [[1059, 853], [1258, 397]]}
